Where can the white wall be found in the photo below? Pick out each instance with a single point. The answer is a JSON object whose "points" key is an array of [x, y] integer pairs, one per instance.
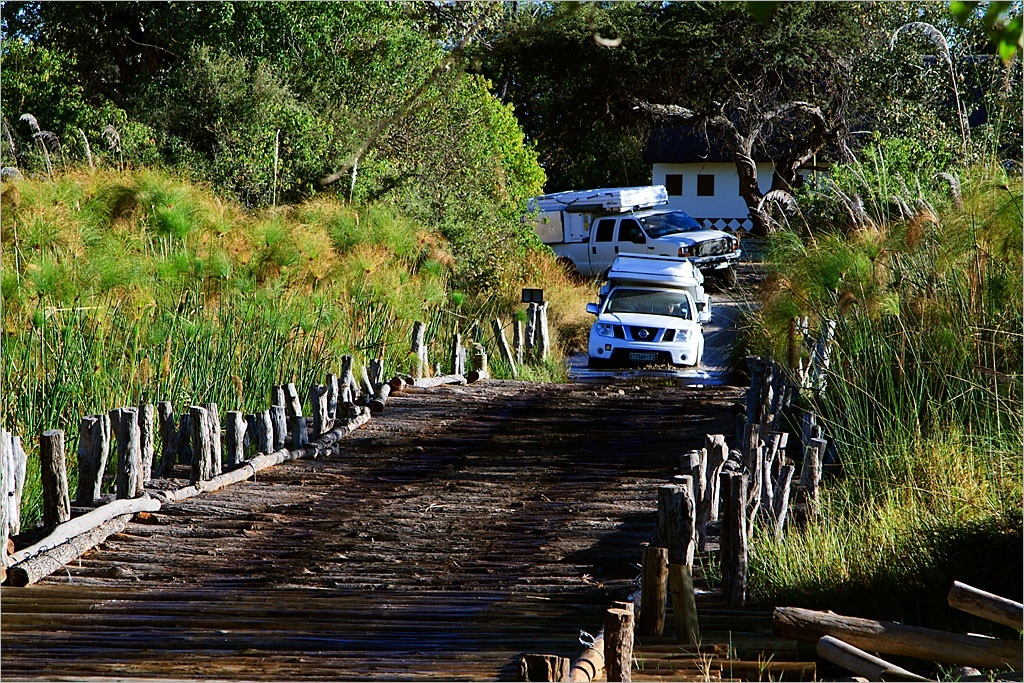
{"points": [[726, 207]]}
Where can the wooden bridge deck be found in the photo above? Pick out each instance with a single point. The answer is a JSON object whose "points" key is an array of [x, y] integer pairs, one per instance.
{"points": [[456, 531]]}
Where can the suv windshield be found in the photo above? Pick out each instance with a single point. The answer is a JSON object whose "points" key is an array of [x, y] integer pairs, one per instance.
{"points": [[669, 223], [649, 301]]}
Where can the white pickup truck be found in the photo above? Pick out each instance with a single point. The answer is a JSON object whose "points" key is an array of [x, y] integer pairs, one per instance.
{"points": [[650, 313], [587, 229]]}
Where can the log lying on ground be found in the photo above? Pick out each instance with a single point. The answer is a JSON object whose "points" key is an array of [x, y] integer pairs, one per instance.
{"points": [[48, 561], [250, 467], [897, 639], [380, 399], [77, 526], [986, 605], [428, 382], [862, 663]]}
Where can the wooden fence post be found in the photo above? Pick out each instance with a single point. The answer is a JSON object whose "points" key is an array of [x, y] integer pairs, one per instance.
{"points": [[676, 521], [653, 591], [733, 538], [234, 438], [543, 667], [147, 442], [6, 475], [694, 464], [318, 409], [218, 450], [419, 350], [279, 427], [292, 402], [544, 342], [347, 393], [458, 355], [125, 423], [93, 451], [168, 439], [266, 436], [202, 448], [502, 343], [18, 466], [277, 397], [478, 365], [531, 330], [332, 398], [299, 435], [684, 603], [781, 501], [618, 644], [54, 471], [517, 341]]}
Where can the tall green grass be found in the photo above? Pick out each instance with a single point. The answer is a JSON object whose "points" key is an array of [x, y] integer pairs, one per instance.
{"points": [[923, 398], [127, 288]]}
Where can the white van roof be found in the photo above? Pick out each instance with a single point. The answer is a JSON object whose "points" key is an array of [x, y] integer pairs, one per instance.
{"points": [[658, 270]]}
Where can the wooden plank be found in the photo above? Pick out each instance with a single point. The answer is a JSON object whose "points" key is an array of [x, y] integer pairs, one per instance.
{"points": [[897, 639]]}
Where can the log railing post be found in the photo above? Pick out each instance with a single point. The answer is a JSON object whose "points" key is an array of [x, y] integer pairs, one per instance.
{"points": [[347, 389], [125, 422], [6, 476], [676, 521], [54, 473], [543, 668], [93, 451], [279, 424], [733, 539], [502, 343], [168, 439], [458, 357], [234, 438], [653, 591], [517, 341], [781, 500], [684, 604], [147, 442], [18, 466], [531, 330], [318, 409], [544, 341], [292, 402], [618, 644], [418, 349], [202, 446], [478, 366], [300, 437], [217, 452], [332, 398], [270, 430]]}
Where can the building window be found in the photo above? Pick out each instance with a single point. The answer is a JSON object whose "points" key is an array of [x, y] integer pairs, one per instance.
{"points": [[674, 184], [705, 185]]}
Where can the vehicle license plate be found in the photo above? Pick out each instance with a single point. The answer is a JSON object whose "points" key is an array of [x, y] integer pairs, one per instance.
{"points": [[641, 356]]}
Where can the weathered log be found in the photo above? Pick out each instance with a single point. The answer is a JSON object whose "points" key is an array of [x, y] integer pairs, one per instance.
{"points": [[365, 383], [733, 538], [292, 402], [348, 381], [543, 668], [457, 355], [676, 521], [428, 382], [332, 397], [717, 454], [503, 348], [17, 463], [986, 605], [380, 398], [318, 409], [250, 467], [279, 427], [217, 451], [781, 499], [654, 591], [544, 339], [860, 662], [125, 422], [531, 329], [300, 435], [589, 665], [202, 447], [234, 438], [6, 477], [168, 439], [618, 644], [93, 451], [184, 448], [517, 341], [693, 464], [277, 397], [62, 533], [147, 442], [54, 473], [419, 350], [47, 562], [897, 639], [266, 431], [375, 372], [684, 604]]}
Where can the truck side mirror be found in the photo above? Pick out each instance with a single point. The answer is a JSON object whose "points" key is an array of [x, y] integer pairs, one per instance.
{"points": [[704, 317], [592, 309]]}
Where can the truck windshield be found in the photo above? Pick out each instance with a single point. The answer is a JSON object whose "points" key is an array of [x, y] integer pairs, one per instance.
{"points": [[649, 301], [669, 223]]}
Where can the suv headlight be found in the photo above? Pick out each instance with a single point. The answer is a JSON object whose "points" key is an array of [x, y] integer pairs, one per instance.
{"points": [[682, 335], [605, 329], [686, 251]]}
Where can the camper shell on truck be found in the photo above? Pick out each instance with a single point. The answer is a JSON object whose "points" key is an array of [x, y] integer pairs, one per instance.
{"points": [[587, 229], [650, 313]]}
